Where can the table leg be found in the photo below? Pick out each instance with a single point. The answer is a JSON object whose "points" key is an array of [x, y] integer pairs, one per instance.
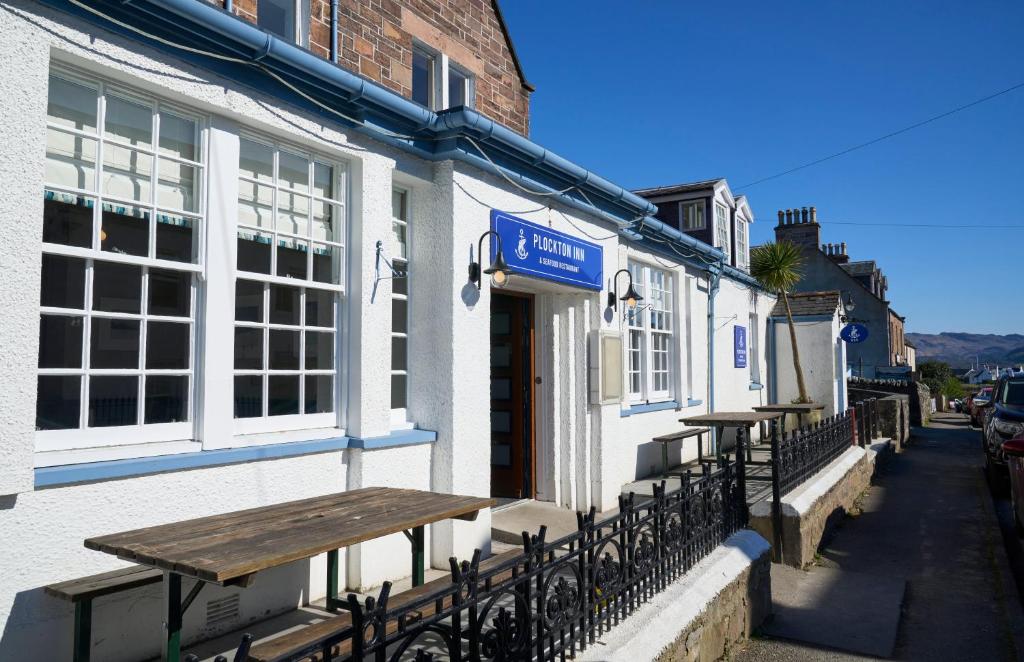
{"points": [[418, 556], [172, 624], [664, 459], [750, 456], [720, 433], [83, 630], [332, 580]]}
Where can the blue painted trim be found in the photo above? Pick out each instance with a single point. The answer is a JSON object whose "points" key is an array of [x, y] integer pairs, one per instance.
{"points": [[756, 387], [643, 409], [114, 469], [396, 438], [694, 403]]}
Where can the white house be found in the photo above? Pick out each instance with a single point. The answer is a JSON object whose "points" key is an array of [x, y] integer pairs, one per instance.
{"points": [[238, 275]]}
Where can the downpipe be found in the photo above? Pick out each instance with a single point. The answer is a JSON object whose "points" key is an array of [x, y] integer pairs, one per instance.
{"points": [[714, 279]]}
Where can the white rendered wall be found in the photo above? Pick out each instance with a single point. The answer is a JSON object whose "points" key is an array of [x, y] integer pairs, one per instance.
{"points": [[823, 378]]}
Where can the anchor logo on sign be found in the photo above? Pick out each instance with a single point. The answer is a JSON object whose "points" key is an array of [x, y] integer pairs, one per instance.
{"points": [[521, 248]]}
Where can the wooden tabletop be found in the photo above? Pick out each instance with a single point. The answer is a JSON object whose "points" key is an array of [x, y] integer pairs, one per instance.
{"points": [[804, 408], [731, 418], [225, 547]]}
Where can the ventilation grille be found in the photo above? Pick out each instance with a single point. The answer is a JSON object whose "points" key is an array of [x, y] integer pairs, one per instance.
{"points": [[221, 610]]}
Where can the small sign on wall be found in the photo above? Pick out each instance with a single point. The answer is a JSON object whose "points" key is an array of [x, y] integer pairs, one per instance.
{"points": [[739, 346]]}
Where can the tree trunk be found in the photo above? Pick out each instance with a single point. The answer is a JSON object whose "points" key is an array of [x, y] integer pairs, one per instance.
{"points": [[800, 385]]}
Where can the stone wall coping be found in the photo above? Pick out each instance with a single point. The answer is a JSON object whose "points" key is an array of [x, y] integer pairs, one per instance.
{"points": [[799, 501], [657, 624]]}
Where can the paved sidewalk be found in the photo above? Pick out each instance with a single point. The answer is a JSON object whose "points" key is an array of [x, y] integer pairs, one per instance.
{"points": [[929, 520]]}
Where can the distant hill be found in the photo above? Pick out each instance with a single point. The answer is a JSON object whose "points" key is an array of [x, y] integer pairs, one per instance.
{"points": [[960, 349]]}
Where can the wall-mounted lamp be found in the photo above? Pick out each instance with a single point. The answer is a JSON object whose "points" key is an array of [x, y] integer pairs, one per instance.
{"points": [[848, 306], [630, 297], [499, 271]]}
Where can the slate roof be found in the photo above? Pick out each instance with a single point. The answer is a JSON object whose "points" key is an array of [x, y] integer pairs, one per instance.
{"points": [[862, 268], [678, 188], [804, 304]]}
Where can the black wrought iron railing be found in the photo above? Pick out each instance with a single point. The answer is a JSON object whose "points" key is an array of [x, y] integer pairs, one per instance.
{"points": [[555, 598], [805, 451]]}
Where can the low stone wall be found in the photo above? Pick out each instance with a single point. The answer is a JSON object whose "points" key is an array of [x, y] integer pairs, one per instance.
{"points": [[810, 511], [701, 616], [893, 414]]}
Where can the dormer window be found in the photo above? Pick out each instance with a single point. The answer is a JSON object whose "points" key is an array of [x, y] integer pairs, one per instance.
{"points": [[439, 83]]}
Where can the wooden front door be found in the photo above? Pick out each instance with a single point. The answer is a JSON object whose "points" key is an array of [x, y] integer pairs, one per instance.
{"points": [[512, 396]]}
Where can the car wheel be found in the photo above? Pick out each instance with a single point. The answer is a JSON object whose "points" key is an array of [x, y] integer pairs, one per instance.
{"points": [[996, 477]]}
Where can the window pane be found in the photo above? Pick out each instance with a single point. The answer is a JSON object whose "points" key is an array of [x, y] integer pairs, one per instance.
{"points": [[284, 349], [319, 394], [293, 171], [256, 160], [176, 187], [282, 395], [67, 220], [400, 285], [129, 121], [63, 282], [60, 341], [291, 258], [323, 180], [113, 401], [167, 345], [399, 230], [398, 391], [248, 348], [319, 350], [398, 205], [324, 262], [71, 104], [422, 78], [398, 354], [70, 160], [178, 136], [166, 399], [255, 204], [292, 213], [116, 288], [254, 252], [319, 308], [248, 396], [456, 88], [248, 301], [325, 218], [399, 319], [284, 305], [127, 173], [170, 293], [125, 230], [278, 17], [114, 343], [58, 402], [174, 238]]}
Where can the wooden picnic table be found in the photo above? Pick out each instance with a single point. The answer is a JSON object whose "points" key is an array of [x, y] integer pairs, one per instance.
{"points": [[801, 410], [229, 549], [730, 419]]}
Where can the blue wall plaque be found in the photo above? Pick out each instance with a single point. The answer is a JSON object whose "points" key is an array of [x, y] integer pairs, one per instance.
{"points": [[535, 250], [854, 333], [739, 346]]}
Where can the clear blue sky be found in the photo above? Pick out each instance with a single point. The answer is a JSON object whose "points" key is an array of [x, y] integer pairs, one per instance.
{"points": [[653, 93]]}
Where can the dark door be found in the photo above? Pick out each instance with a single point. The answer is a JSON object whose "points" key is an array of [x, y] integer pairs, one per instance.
{"points": [[511, 396]]}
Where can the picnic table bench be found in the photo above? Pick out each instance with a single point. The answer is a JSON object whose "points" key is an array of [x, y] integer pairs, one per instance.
{"points": [[230, 549], [81, 592], [667, 439]]}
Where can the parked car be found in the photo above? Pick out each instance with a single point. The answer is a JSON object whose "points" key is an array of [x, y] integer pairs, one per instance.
{"points": [[1002, 419], [1014, 452], [978, 401]]}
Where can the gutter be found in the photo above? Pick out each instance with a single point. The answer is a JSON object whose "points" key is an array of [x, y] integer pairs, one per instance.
{"points": [[378, 112]]}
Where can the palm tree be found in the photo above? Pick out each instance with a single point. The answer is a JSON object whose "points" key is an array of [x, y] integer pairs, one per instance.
{"points": [[777, 267]]}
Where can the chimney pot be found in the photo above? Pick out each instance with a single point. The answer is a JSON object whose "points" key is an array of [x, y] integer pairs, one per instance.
{"points": [[782, 217], [803, 215], [824, 248], [842, 247], [814, 215], [789, 216]]}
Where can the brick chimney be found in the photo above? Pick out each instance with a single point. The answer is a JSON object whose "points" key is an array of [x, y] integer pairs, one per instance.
{"points": [[799, 226], [837, 253]]}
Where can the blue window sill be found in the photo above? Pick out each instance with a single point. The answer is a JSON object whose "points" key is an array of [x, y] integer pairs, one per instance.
{"points": [[756, 387], [643, 409], [113, 469], [694, 403]]}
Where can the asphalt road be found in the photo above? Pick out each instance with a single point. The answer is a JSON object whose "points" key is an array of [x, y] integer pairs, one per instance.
{"points": [[931, 520]]}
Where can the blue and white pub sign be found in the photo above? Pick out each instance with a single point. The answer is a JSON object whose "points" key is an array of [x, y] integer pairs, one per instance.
{"points": [[535, 250], [739, 346]]}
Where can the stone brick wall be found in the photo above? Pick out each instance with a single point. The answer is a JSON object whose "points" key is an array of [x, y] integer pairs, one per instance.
{"points": [[376, 41]]}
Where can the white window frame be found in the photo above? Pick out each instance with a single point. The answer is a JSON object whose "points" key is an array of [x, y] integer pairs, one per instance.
{"points": [[722, 227], [300, 421], [440, 65], [124, 435], [698, 204], [639, 360], [742, 260], [302, 18], [400, 416]]}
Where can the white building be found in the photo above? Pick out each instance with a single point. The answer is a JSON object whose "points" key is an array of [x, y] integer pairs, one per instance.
{"points": [[201, 314]]}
